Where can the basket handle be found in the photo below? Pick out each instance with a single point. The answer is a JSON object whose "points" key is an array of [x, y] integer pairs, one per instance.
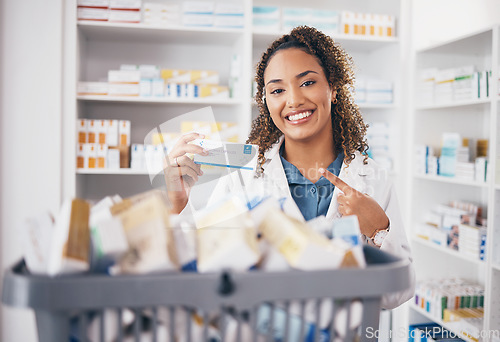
{"points": [[226, 285]]}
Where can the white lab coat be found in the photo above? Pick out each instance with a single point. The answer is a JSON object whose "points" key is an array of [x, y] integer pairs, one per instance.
{"points": [[369, 179]]}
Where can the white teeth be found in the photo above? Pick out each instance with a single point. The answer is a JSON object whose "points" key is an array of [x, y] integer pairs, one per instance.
{"points": [[299, 116]]}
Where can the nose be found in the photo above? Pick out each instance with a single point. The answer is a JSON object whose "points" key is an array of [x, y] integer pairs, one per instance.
{"points": [[295, 97]]}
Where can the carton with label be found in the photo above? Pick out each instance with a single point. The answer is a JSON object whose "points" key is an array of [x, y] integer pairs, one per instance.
{"points": [[146, 223], [227, 155], [302, 247], [36, 234], [226, 237], [70, 243]]}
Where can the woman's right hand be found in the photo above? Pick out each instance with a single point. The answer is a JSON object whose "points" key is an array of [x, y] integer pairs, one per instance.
{"points": [[181, 173]]}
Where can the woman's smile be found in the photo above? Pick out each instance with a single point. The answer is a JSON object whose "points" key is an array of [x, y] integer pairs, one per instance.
{"points": [[299, 117]]}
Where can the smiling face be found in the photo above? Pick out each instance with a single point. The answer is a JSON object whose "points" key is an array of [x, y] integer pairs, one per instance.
{"points": [[298, 96]]}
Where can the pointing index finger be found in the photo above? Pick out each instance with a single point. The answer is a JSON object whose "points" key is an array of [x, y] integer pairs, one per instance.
{"points": [[339, 183]]}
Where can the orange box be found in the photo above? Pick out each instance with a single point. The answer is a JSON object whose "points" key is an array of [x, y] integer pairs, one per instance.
{"points": [[91, 131], [124, 132], [80, 156], [102, 129], [82, 131], [91, 155], [102, 154]]}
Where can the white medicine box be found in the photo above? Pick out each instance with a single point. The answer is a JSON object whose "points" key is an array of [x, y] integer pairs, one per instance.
{"points": [[112, 133]]}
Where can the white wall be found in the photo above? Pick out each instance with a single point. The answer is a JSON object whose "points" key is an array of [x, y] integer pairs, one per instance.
{"points": [[2, 48], [435, 21], [30, 136]]}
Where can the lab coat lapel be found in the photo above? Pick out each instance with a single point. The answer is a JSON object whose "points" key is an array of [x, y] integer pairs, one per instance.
{"points": [[276, 177]]}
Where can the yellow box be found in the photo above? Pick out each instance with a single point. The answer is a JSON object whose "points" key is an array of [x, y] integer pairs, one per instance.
{"points": [[201, 77], [168, 138], [213, 91], [205, 77], [202, 127], [228, 131], [175, 75]]}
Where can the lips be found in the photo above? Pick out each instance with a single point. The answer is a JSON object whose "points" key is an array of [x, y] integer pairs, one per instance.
{"points": [[298, 116]]}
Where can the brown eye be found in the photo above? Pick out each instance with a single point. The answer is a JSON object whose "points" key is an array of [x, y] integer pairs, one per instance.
{"points": [[307, 83]]}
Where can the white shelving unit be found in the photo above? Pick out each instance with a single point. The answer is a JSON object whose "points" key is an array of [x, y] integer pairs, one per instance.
{"points": [[476, 119], [457, 104], [451, 180], [111, 172], [124, 32], [446, 250], [201, 101], [93, 48]]}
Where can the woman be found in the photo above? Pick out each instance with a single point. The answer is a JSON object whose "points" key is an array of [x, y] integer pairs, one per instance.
{"points": [[312, 149]]}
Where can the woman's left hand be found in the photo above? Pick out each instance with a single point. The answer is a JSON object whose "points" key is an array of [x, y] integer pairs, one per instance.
{"points": [[352, 202]]}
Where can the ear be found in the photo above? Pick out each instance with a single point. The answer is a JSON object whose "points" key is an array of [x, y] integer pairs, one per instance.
{"points": [[334, 95]]}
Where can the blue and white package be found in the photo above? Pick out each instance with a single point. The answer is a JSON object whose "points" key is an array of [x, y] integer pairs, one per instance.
{"points": [[227, 155], [347, 229]]}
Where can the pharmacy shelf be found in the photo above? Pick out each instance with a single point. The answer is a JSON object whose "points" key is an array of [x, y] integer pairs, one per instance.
{"points": [[473, 118], [132, 172], [124, 32], [472, 43], [451, 180], [455, 104], [445, 325], [446, 250], [111, 172], [377, 106], [348, 42], [360, 105], [207, 101]]}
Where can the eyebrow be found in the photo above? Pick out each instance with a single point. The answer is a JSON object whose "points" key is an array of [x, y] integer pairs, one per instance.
{"points": [[302, 74]]}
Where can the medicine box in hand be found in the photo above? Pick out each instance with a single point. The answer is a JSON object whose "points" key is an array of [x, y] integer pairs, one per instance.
{"points": [[229, 155]]}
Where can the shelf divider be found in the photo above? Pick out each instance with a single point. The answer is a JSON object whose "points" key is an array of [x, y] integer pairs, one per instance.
{"points": [[138, 99], [450, 180], [447, 250]]}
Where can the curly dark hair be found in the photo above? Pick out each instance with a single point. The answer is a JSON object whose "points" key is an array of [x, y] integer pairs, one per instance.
{"points": [[348, 126]]}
